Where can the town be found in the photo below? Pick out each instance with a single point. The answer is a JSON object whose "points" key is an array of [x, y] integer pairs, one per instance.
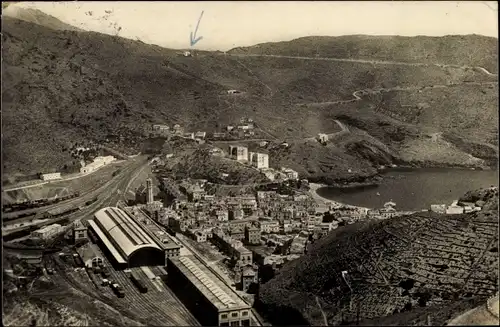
{"points": [[292, 171], [223, 246]]}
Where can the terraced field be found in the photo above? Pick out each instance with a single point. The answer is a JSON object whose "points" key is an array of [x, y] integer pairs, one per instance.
{"points": [[375, 269]]}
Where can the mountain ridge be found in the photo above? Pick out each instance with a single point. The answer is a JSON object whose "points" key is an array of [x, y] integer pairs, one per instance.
{"points": [[69, 86], [447, 49]]}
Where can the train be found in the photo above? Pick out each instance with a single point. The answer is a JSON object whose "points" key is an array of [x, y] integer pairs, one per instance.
{"points": [[92, 236], [12, 207], [118, 290], [105, 272], [91, 201], [54, 213], [43, 215], [78, 260], [139, 283]]}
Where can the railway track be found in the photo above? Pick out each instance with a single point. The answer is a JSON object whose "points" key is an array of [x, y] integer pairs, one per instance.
{"points": [[156, 307]]}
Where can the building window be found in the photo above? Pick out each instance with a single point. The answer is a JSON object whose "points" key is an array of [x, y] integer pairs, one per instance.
{"points": [[235, 323], [234, 314], [244, 313], [223, 316], [245, 322]]}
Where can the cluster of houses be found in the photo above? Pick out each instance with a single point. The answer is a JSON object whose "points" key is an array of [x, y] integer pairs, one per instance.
{"points": [[244, 224], [245, 129], [260, 161], [177, 130], [388, 211], [455, 208]]}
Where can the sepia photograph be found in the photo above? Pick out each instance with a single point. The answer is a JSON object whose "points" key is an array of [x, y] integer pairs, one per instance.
{"points": [[250, 163]]}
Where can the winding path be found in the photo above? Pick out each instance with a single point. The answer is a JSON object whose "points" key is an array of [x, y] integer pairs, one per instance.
{"points": [[366, 61], [356, 94]]}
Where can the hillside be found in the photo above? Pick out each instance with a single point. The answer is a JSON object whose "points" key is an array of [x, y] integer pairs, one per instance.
{"points": [[409, 267], [37, 17], [61, 87], [461, 50]]}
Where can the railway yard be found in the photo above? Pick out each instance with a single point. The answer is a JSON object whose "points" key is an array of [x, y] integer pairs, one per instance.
{"points": [[157, 307]]}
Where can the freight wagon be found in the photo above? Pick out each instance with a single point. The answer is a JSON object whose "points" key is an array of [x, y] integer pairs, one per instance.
{"points": [[118, 290], [92, 236], [105, 272], [139, 283], [78, 260], [91, 201]]}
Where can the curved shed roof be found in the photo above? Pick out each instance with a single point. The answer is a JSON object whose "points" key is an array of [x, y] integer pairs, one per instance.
{"points": [[126, 234]]}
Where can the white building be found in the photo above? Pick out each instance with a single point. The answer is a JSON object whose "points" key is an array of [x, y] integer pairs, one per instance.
{"points": [[454, 209], [98, 163], [290, 173], [244, 127], [160, 128], [50, 177], [323, 138], [201, 135], [47, 231], [259, 160], [239, 153], [438, 208], [269, 227], [79, 231]]}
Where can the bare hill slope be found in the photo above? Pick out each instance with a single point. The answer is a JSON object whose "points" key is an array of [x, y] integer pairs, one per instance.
{"points": [[61, 87], [410, 265], [468, 50]]}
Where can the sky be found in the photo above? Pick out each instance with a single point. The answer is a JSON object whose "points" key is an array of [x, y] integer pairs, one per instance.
{"points": [[229, 24]]}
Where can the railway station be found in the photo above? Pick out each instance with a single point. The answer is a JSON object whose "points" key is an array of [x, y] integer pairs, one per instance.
{"points": [[124, 240], [211, 301]]}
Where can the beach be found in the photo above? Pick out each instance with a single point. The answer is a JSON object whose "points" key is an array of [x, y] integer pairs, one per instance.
{"points": [[325, 203]]}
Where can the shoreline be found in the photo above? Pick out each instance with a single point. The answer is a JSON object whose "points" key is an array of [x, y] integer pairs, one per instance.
{"points": [[324, 202]]}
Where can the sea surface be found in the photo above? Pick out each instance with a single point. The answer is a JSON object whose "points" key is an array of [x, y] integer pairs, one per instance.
{"points": [[414, 189]]}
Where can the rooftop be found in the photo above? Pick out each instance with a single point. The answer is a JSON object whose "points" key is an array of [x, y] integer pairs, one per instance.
{"points": [[48, 228], [221, 296], [126, 233], [243, 249], [119, 258]]}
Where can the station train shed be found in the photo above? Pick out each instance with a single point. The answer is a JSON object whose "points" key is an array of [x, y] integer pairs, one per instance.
{"points": [[125, 241], [211, 301]]}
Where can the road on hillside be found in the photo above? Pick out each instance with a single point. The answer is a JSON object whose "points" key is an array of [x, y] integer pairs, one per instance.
{"points": [[356, 94], [367, 61], [107, 195]]}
